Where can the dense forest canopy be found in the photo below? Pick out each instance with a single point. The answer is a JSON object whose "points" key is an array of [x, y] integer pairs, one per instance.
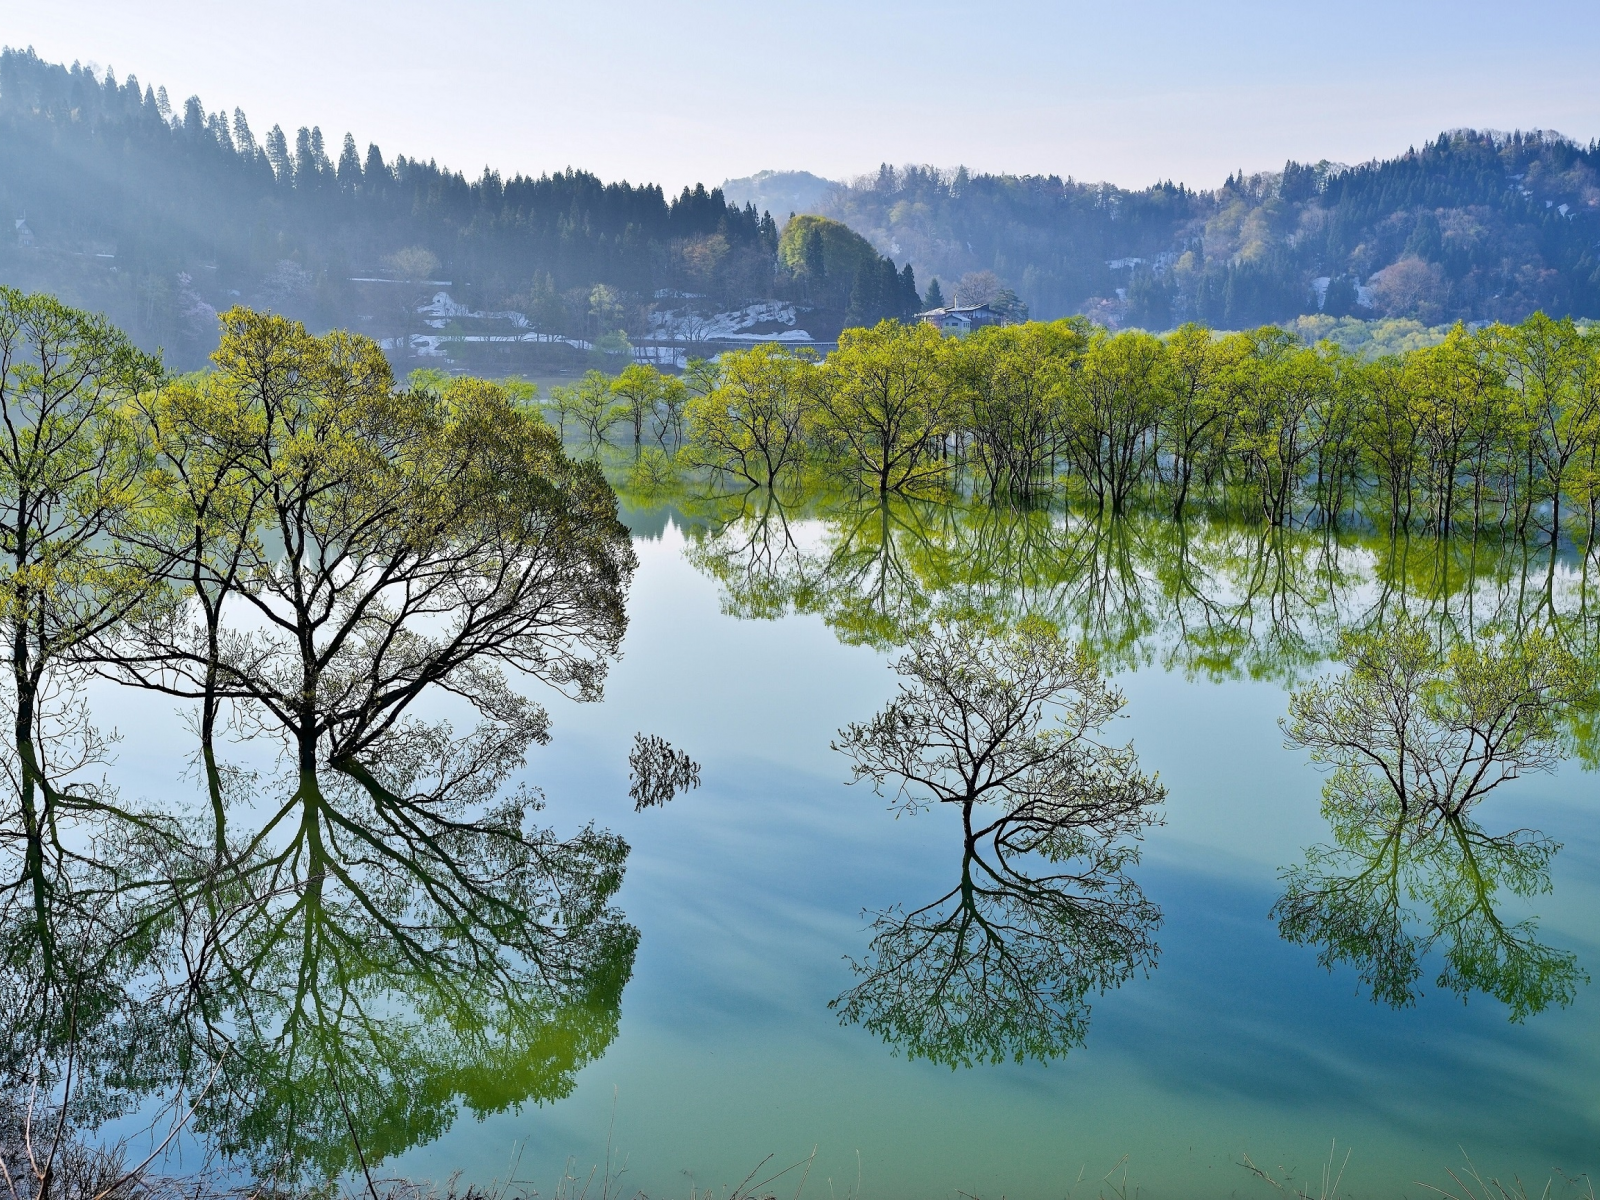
{"points": [[161, 214], [1473, 226]]}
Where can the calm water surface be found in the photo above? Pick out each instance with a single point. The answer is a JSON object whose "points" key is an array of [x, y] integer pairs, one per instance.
{"points": [[749, 895]]}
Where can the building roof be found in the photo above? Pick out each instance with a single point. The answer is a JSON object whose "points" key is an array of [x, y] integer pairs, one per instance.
{"points": [[954, 310]]}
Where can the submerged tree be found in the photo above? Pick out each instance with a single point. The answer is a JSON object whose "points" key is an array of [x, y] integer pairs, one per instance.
{"points": [[754, 421], [396, 543], [348, 547], [1012, 383], [657, 772], [1112, 412], [638, 390], [70, 465], [1434, 731], [590, 401], [305, 549], [1003, 727], [1417, 737], [884, 406]]}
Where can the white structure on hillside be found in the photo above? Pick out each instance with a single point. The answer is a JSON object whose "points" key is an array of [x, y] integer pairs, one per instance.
{"points": [[961, 319]]}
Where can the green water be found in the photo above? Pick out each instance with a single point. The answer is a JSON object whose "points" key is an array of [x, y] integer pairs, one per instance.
{"points": [[757, 632]]}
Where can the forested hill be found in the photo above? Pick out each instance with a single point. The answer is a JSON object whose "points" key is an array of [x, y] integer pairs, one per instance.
{"points": [[1476, 226], [159, 215]]}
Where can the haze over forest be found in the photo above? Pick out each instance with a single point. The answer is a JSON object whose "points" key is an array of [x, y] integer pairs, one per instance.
{"points": [[161, 213]]}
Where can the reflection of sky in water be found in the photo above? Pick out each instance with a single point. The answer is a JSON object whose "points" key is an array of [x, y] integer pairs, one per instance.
{"points": [[748, 894]]}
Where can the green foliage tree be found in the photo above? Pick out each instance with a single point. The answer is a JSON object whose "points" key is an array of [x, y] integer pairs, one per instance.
{"points": [[1471, 427], [1275, 396], [395, 544], [700, 376], [638, 391], [1437, 731], [1554, 370], [884, 406], [1193, 424], [564, 403], [828, 249], [1416, 738], [670, 412], [70, 467], [594, 406], [1012, 384], [755, 423], [1112, 411]]}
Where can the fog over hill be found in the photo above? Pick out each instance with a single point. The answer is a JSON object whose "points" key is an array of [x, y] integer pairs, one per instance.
{"points": [[781, 192], [160, 213], [1471, 226]]}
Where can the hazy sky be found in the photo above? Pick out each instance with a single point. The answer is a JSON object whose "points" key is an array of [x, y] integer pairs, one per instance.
{"points": [[676, 91]]}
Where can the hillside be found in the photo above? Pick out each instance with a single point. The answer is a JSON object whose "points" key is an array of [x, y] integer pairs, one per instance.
{"points": [[160, 215], [1473, 226]]}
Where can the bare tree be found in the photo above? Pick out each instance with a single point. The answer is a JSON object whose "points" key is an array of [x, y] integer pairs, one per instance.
{"points": [[1002, 727], [1432, 732], [657, 772], [977, 287]]}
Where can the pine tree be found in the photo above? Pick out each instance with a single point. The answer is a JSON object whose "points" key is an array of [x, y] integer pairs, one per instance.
{"points": [[1340, 297], [863, 305], [907, 307]]}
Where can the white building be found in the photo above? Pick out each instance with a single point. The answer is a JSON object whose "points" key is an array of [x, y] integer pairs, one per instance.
{"points": [[961, 319]]}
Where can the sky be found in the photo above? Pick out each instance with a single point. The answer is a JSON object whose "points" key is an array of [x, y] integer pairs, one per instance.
{"points": [[680, 91]]}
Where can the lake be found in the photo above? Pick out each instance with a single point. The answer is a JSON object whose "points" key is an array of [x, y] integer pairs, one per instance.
{"points": [[753, 639]]}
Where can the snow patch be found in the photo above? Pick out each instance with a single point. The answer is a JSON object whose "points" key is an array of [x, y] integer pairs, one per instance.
{"points": [[443, 309], [686, 325]]}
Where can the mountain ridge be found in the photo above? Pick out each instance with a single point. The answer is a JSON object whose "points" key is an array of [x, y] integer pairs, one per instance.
{"points": [[1476, 225], [161, 215]]}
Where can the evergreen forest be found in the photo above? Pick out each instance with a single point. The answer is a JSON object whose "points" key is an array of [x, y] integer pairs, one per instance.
{"points": [[162, 214], [1473, 226]]}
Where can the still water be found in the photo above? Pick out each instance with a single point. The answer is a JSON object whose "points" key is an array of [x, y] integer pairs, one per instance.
{"points": [[756, 634], [749, 894]]}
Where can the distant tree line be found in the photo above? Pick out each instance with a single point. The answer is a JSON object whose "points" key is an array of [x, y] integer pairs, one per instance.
{"points": [[1472, 226], [1498, 428]]}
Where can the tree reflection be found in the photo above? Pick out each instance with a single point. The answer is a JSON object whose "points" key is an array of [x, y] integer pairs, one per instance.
{"points": [[335, 1046], [757, 556], [332, 998], [1468, 662], [1209, 598], [328, 957], [1385, 896], [1003, 727], [1416, 737]]}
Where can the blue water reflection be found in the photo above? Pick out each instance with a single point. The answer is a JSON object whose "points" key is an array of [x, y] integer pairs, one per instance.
{"points": [[748, 894]]}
